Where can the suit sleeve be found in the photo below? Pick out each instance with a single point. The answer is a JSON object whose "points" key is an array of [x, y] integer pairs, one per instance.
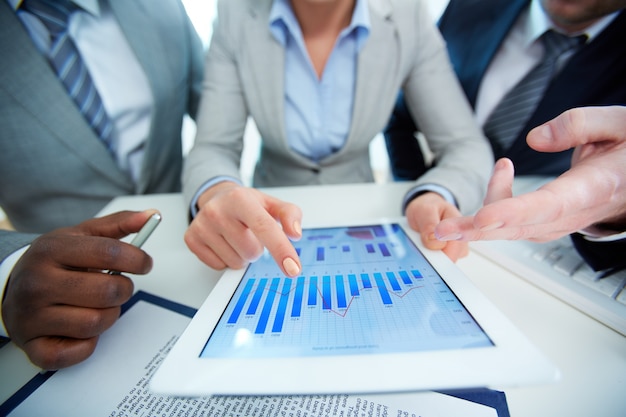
{"points": [[436, 100], [223, 112], [601, 255]]}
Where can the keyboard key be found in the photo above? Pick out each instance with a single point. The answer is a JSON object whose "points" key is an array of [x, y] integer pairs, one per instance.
{"points": [[609, 286], [544, 252], [568, 263]]}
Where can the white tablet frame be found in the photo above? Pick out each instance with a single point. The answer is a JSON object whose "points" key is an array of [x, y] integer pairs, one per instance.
{"points": [[511, 361]]}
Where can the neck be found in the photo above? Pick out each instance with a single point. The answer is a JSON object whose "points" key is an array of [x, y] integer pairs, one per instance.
{"points": [[571, 28], [323, 17]]}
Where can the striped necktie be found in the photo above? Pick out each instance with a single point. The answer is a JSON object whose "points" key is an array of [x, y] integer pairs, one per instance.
{"points": [[69, 66], [509, 117]]}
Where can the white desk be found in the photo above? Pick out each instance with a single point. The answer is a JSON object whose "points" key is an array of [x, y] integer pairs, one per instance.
{"points": [[591, 357]]}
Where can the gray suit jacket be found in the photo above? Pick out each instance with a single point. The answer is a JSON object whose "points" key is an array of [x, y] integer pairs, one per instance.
{"points": [[244, 73], [54, 171]]}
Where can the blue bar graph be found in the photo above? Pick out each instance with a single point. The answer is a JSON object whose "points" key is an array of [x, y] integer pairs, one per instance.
{"points": [[320, 253], [382, 289], [341, 292], [370, 248], [345, 248], [354, 286], [405, 278], [326, 297], [257, 297], [240, 303], [296, 309], [417, 274], [267, 307], [282, 307], [366, 281], [393, 281], [260, 295], [312, 292], [384, 250]]}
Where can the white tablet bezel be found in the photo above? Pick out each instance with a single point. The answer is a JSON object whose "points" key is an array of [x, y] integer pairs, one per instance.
{"points": [[511, 361]]}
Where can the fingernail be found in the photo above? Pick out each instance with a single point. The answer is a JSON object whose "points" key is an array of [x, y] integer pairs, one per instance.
{"points": [[492, 226], [451, 236], [291, 267], [545, 133]]}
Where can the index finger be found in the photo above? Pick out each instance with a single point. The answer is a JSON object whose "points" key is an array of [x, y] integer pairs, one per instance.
{"points": [[534, 208], [91, 253], [271, 235]]}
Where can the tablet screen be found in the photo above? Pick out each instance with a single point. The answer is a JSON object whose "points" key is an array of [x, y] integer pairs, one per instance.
{"points": [[363, 290]]}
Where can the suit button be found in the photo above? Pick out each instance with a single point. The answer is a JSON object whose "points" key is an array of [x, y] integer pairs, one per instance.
{"points": [[315, 170]]}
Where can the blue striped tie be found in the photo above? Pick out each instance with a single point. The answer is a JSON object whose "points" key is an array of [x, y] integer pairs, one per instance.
{"points": [[69, 66], [513, 112]]}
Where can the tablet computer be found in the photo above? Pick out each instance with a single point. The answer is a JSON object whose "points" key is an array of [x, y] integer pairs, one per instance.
{"points": [[372, 311]]}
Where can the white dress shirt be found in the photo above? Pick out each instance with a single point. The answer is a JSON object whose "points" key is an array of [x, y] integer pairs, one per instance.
{"points": [[115, 71]]}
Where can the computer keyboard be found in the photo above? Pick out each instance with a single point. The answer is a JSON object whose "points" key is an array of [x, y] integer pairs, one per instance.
{"points": [[557, 268]]}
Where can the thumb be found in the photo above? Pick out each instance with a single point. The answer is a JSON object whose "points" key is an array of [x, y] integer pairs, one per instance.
{"points": [[579, 126], [116, 225]]}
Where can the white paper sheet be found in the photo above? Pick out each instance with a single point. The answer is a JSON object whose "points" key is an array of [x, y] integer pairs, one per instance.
{"points": [[114, 382]]}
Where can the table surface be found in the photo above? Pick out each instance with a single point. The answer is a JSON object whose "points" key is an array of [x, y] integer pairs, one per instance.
{"points": [[590, 356]]}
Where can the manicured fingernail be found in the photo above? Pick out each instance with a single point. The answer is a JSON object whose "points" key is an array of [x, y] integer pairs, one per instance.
{"points": [[291, 267], [492, 226], [451, 236]]}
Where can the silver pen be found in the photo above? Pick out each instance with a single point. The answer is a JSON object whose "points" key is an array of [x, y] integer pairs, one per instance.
{"points": [[143, 234]]}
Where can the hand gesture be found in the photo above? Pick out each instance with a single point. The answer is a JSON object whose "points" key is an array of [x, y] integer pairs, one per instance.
{"points": [[592, 192]]}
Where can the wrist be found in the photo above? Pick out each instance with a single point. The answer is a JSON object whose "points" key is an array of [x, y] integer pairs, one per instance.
{"points": [[218, 188]]}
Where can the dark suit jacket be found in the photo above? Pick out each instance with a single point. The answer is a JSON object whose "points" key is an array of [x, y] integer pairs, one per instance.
{"points": [[54, 171], [474, 30], [601, 255]]}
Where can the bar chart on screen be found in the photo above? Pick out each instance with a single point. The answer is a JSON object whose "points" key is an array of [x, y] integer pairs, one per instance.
{"points": [[363, 290]]}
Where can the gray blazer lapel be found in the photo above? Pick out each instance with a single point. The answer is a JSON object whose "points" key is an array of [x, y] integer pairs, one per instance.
{"points": [[377, 73], [266, 59], [26, 76]]}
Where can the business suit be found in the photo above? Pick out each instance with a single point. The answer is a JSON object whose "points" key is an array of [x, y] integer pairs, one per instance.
{"points": [[54, 171], [244, 75], [474, 30]]}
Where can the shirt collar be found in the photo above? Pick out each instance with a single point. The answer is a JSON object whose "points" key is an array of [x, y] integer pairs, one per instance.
{"points": [[537, 22], [283, 21], [90, 6]]}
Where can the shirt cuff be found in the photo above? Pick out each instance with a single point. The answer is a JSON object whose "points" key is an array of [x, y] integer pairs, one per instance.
{"points": [[421, 189], [594, 234], [5, 270], [193, 209]]}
